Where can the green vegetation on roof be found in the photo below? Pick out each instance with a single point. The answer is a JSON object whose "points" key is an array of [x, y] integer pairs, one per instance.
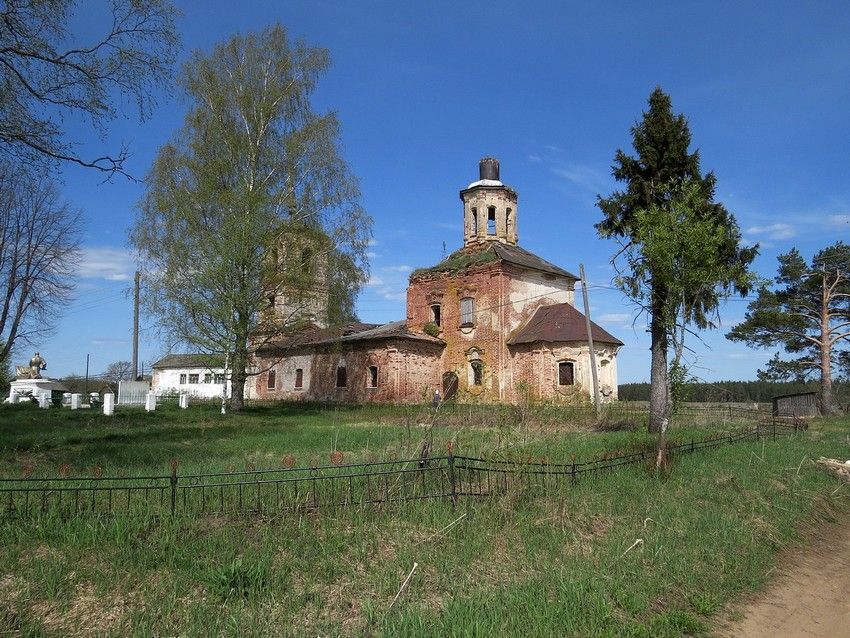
{"points": [[459, 261]]}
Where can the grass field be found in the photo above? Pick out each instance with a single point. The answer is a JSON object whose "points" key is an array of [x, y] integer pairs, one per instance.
{"points": [[525, 564]]}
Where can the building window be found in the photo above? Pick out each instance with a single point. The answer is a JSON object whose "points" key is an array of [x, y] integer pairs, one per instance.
{"points": [[307, 261], [491, 220], [182, 379], [299, 378], [193, 378], [474, 221], [477, 372], [508, 221], [566, 373], [467, 311], [272, 298], [208, 378], [372, 377], [219, 377], [435, 314], [341, 377], [271, 380]]}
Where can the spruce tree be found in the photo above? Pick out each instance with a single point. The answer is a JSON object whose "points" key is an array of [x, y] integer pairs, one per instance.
{"points": [[681, 249]]}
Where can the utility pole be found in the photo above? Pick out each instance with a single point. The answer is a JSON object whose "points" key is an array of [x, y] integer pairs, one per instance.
{"points": [[87, 376], [596, 397], [136, 327]]}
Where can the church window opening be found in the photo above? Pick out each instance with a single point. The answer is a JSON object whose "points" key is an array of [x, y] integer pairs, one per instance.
{"points": [[272, 298], [477, 372], [566, 373], [467, 311], [299, 378], [341, 377], [272, 380], [307, 261], [193, 378], [474, 221], [182, 379], [219, 378], [508, 221], [208, 378], [372, 377], [435, 314], [491, 220]]}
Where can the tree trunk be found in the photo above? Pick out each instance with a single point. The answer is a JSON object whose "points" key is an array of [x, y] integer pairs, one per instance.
{"points": [[659, 390], [238, 376], [828, 405]]}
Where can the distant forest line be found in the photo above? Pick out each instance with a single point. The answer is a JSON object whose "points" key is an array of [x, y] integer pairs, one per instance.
{"points": [[735, 391]]}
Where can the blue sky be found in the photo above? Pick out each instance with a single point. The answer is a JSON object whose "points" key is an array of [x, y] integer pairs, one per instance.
{"points": [[551, 89]]}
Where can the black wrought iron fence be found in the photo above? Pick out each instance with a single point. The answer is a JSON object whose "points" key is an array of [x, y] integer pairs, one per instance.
{"points": [[299, 490]]}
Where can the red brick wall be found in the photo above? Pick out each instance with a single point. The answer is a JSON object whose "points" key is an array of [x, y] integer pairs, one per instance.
{"points": [[407, 373]]}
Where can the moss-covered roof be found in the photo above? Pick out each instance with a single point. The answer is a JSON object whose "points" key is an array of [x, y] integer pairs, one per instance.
{"points": [[479, 254], [460, 260]]}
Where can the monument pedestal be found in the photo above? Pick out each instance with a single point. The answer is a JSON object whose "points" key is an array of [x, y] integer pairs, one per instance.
{"points": [[25, 388]]}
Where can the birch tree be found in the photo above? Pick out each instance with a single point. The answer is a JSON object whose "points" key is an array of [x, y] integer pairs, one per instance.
{"points": [[39, 252], [250, 201], [50, 74]]}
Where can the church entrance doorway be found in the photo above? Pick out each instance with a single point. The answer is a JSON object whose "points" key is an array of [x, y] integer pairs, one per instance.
{"points": [[449, 385]]}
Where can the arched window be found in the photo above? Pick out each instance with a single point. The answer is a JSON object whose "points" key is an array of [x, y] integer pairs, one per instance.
{"points": [[307, 261], [477, 372], [508, 221], [299, 378], [491, 220], [474, 221], [341, 377], [372, 377], [272, 380], [467, 311], [436, 314], [566, 373]]}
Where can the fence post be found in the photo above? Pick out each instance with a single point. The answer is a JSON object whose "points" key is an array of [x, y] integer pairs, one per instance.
{"points": [[173, 486], [692, 446], [452, 476]]}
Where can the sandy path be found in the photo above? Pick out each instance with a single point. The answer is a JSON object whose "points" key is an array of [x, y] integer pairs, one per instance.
{"points": [[807, 597]]}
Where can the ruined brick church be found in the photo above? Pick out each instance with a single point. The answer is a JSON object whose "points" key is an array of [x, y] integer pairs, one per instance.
{"points": [[491, 322]]}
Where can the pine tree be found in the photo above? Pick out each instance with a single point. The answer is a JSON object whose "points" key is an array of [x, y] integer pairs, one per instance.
{"points": [[808, 314]]}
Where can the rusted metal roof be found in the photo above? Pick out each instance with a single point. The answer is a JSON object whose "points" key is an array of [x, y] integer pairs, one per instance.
{"points": [[521, 257], [560, 322]]}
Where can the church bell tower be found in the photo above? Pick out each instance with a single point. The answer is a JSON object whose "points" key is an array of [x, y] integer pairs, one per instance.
{"points": [[489, 207]]}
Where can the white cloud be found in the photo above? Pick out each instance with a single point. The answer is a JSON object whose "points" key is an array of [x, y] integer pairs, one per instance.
{"points": [[374, 281], [371, 255], [535, 158], [393, 294], [773, 231], [112, 264], [584, 177], [448, 226], [401, 268], [838, 220], [615, 317]]}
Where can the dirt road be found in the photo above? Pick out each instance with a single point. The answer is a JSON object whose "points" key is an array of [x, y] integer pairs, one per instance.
{"points": [[808, 596]]}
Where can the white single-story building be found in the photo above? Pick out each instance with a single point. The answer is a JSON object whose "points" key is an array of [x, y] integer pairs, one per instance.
{"points": [[198, 375]]}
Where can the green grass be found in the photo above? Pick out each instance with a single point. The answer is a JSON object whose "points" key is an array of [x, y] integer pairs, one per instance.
{"points": [[527, 564]]}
